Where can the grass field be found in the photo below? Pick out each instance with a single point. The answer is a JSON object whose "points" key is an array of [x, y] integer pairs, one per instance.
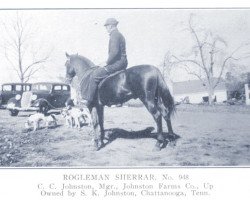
{"points": [[209, 136]]}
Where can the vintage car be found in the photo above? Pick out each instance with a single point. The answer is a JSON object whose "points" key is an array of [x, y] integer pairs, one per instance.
{"points": [[10, 90], [44, 96]]}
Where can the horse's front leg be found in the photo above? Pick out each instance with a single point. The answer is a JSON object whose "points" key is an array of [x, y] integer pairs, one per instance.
{"points": [[97, 122], [95, 125], [100, 113]]}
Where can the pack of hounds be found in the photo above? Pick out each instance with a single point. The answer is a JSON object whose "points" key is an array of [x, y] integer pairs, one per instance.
{"points": [[74, 118]]}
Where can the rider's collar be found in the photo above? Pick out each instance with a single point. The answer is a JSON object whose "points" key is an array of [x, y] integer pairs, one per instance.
{"points": [[114, 30]]}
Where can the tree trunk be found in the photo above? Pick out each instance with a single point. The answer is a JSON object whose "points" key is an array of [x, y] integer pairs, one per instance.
{"points": [[22, 79], [211, 96]]}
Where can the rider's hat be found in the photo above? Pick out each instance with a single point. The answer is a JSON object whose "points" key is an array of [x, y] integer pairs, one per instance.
{"points": [[111, 21]]}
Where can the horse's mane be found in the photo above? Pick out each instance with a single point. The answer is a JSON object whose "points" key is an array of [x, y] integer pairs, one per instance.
{"points": [[88, 62]]}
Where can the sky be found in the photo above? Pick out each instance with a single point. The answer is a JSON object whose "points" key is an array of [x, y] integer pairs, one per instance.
{"points": [[149, 34]]}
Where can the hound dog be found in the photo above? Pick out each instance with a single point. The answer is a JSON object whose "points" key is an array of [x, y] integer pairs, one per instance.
{"points": [[37, 119], [74, 117], [69, 121]]}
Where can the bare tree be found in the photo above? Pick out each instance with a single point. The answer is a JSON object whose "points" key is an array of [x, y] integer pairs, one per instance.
{"points": [[166, 68], [208, 58], [19, 42]]}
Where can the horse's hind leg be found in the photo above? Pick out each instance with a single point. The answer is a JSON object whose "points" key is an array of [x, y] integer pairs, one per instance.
{"points": [[152, 108], [166, 115]]}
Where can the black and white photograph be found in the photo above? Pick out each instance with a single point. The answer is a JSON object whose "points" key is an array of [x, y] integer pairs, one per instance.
{"points": [[124, 87]]}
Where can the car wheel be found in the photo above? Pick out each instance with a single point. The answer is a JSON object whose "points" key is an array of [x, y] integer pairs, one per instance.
{"points": [[14, 112], [44, 109]]}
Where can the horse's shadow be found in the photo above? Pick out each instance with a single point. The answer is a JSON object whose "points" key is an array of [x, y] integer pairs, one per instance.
{"points": [[112, 134]]}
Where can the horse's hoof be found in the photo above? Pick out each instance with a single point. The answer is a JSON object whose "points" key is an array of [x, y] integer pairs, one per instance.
{"points": [[172, 143], [97, 146], [156, 148], [94, 148], [165, 143], [101, 146]]}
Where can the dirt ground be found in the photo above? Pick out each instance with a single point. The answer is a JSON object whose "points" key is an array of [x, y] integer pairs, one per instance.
{"points": [[209, 136]]}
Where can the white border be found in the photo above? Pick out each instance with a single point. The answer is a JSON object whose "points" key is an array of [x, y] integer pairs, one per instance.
{"points": [[13, 4], [17, 183]]}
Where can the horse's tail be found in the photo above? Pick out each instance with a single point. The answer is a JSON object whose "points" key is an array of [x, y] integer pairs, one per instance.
{"points": [[165, 95]]}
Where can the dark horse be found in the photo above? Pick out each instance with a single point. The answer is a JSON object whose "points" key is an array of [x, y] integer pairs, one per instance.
{"points": [[143, 81]]}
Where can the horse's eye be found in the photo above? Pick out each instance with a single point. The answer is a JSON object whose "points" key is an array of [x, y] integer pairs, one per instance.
{"points": [[67, 63]]}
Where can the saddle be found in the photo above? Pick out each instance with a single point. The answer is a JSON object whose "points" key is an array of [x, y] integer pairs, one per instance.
{"points": [[110, 77], [88, 85], [114, 89]]}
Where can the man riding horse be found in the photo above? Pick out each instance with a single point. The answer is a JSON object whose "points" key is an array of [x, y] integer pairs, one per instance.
{"points": [[117, 60], [142, 81]]}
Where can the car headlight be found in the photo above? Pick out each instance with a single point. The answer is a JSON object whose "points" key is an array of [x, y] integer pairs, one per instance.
{"points": [[18, 97], [34, 97]]}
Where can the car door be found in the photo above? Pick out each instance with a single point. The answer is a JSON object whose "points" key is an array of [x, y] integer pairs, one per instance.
{"points": [[66, 93], [57, 96], [7, 93]]}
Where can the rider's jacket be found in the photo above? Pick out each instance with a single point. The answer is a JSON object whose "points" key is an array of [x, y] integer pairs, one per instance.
{"points": [[117, 47]]}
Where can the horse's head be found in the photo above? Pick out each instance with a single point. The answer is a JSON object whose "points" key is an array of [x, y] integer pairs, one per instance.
{"points": [[76, 65], [70, 70]]}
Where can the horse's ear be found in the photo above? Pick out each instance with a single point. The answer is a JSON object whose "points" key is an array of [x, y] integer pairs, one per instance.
{"points": [[67, 55]]}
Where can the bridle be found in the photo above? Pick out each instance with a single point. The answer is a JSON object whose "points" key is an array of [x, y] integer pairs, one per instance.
{"points": [[69, 75]]}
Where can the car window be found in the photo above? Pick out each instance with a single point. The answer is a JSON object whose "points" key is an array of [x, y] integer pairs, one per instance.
{"points": [[41, 87], [27, 88], [7, 87], [57, 87], [18, 88], [65, 87]]}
